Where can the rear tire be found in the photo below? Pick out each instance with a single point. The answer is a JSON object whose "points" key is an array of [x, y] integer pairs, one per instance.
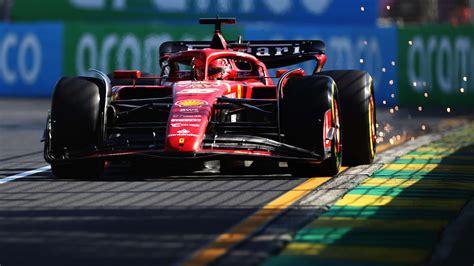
{"points": [[75, 125], [303, 116], [358, 115]]}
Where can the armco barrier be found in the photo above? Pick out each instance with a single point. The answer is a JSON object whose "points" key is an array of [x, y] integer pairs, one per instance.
{"points": [[366, 48], [107, 46], [30, 58], [334, 12], [436, 66]]}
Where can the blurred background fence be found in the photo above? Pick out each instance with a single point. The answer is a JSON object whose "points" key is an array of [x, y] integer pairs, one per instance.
{"points": [[415, 49]]}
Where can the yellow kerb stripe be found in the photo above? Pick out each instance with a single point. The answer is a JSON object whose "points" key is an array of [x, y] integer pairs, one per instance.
{"points": [[428, 157], [358, 253], [430, 167], [403, 183], [378, 224], [399, 202]]}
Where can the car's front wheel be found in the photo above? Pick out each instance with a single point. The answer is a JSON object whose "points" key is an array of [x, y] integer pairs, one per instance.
{"points": [[75, 126], [311, 120]]}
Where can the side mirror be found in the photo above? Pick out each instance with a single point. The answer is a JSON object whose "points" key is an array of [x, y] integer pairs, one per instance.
{"points": [[295, 73], [127, 74]]}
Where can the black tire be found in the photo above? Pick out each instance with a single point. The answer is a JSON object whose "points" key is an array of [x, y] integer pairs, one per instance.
{"points": [[303, 107], [358, 115], [75, 125]]}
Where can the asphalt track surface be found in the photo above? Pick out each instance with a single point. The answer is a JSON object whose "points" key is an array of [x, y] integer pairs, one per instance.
{"points": [[130, 219]]}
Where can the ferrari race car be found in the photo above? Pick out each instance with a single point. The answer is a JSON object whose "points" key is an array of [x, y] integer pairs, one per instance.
{"points": [[215, 101]]}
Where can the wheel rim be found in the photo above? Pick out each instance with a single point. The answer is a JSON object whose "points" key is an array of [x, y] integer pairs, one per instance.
{"points": [[337, 136], [372, 127]]}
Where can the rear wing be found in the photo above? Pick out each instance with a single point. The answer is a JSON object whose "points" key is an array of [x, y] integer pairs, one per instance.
{"points": [[273, 54]]}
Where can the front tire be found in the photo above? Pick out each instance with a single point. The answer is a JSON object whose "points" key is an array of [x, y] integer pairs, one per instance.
{"points": [[76, 126], [309, 111]]}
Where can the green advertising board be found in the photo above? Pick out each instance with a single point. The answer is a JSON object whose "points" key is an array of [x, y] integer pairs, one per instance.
{"points": [[109, 46], [77, 10], [436, 66]]}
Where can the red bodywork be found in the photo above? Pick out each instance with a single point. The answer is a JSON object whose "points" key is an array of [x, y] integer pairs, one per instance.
{"points": [[174, 115]]}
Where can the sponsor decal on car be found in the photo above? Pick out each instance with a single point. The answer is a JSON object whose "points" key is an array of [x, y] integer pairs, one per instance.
{"points": [[191, 102], [185, 120], [182, 135], [183, 125], [183, 131], [189, 110], [196, 91], [186, 116]]}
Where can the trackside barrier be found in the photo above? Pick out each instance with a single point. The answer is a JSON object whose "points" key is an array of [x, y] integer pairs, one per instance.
{"points": [[436, 66], [30, 58], [109, 46]]}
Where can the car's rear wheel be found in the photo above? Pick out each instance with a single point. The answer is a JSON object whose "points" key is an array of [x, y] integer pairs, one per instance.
{"points": [[311, 120], [75, 126], [356, 93]]}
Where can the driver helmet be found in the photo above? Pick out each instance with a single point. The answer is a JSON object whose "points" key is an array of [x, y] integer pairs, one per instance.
{"points": [[219, 69]]}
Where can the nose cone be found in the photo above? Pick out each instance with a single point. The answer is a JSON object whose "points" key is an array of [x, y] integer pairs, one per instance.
{"points": [[191, 112], [186, 128]]}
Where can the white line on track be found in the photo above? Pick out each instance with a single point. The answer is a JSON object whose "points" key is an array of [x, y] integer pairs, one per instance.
{"points": [[24, 174]]}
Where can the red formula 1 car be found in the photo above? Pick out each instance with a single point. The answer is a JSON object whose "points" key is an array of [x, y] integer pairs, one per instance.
{"points": [[215, 101]]}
